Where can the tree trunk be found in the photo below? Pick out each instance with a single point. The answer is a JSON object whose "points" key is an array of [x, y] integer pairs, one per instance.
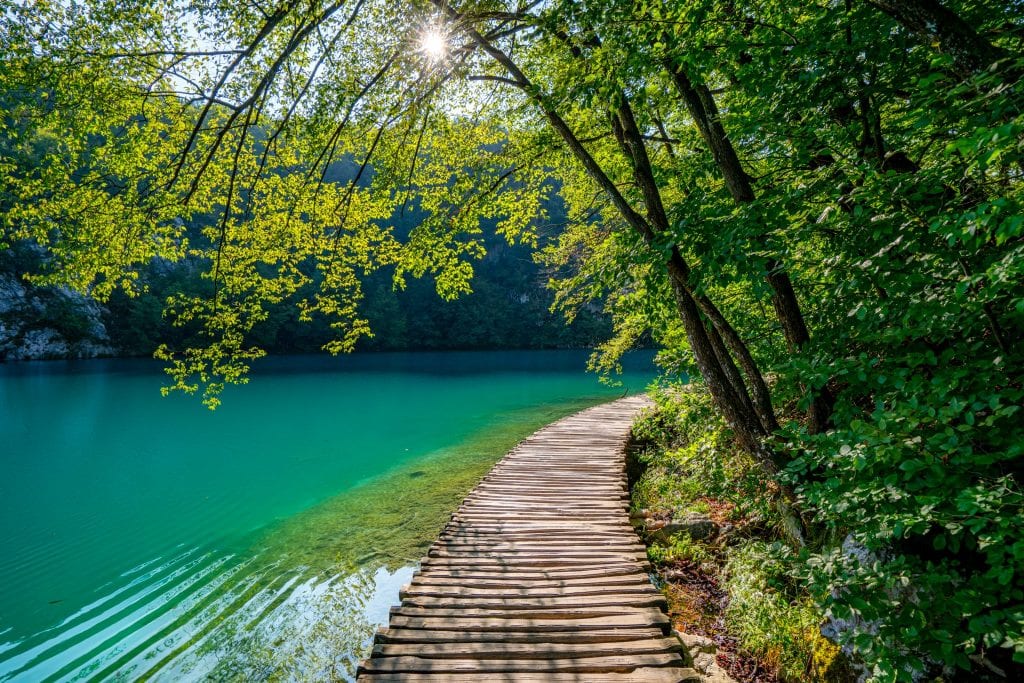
{"points": [[701, 105], [726, 339], [747, 429], [731, 371], [758, 388], [745, 423], [716, 365]]}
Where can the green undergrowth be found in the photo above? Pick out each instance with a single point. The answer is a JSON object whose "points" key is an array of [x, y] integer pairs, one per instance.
{"points": [[774, 618], [691, 467]]}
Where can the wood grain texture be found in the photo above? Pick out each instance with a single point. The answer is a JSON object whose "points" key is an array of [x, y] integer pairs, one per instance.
{"points": [[539, 575]]}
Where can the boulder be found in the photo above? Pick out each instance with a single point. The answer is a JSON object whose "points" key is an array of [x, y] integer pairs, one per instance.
{"points": [[697, 526], [44, 343], [702, 657], [695, 644], [49, 322]]}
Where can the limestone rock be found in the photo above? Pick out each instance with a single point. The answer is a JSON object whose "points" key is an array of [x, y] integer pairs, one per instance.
{"points": [[695, 644], [704, 662], [697, 526], [701, 652], [49, 322], [44, 343]]}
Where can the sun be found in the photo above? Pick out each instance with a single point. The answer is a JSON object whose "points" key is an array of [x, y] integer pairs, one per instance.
{"points": [[434, 44]]}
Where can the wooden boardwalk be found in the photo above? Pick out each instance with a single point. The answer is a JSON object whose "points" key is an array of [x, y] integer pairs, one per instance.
{"points": [[539, 575]]}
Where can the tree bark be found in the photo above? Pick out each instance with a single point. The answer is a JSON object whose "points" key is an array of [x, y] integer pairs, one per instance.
{"points": [[744, 423], [701, 105], [971, 53], [713, 359], [725, 359], [631, 142], [758, 388]]}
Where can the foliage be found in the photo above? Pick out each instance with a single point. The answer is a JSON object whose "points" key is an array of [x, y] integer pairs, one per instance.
{"points": [[772, 620], [690, 459], [508, 291], [690, 456], [680, 547]]}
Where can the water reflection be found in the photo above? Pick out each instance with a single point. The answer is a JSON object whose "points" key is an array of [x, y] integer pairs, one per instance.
{"points": [[300, 628]]}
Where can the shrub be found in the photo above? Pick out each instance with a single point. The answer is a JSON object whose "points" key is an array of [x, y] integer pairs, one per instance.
{"points": [[772, 618]]}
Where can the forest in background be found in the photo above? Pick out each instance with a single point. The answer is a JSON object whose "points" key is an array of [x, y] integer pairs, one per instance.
{"points": [[510, 306]]}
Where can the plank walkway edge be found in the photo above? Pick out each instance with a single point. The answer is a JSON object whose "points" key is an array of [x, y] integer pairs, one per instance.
{"points": [[538, 576]]}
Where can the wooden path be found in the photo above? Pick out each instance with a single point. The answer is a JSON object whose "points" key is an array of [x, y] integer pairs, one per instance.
{"points": [[539, 575]]}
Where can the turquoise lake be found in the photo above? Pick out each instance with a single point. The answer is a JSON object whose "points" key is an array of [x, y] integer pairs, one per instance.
{"points": [[150, 538]]}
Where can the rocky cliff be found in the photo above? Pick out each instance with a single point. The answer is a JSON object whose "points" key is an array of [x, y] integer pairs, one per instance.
{"points": [[49, 322]]}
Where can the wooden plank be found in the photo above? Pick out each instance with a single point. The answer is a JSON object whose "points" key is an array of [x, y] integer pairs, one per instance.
{"points": [[610, 664], [401, 635], [437, 564], [529, 483], [529, 545], [541, 534], [487, 556], [631, 579], [581, 526], [545, 613], [621, 619], [588, 506], [511, 575], [638, 675], [513, 514], [552, 476], [597, 502], [544, 542], [422, 590], [501, 550], [518, 569], [532, 562], [603, 543], [505, 650], [533, 604]]}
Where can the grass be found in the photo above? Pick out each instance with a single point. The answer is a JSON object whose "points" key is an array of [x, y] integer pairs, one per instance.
{"points": [[773, 619]]}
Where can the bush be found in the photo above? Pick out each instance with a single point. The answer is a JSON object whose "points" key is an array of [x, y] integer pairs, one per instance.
{"points": [[773, 618], [924, 479], [680, 547], [693, 463], [691, 457]]}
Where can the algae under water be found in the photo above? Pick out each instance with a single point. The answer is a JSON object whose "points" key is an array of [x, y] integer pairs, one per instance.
{"points": [[148, 538]]}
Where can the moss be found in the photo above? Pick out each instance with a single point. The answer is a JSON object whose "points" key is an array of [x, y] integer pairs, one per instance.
{"points": [[680, 547]]}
